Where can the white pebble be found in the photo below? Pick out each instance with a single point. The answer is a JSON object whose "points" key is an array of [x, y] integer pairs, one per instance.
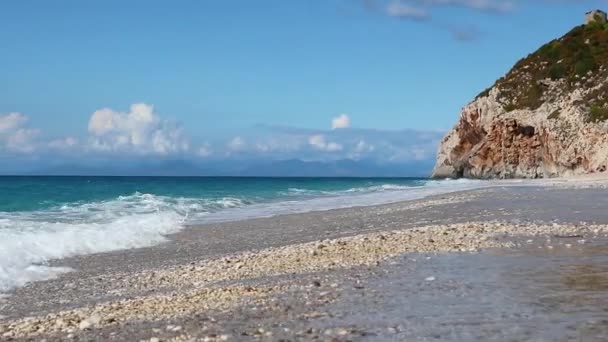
{"points": [[84, 325]]}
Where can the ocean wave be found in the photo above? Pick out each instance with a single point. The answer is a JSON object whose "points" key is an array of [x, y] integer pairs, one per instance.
{"points": [[363, 189], [455, 182], [299, 200], [26, 245], [373, 188], [30, 239]]}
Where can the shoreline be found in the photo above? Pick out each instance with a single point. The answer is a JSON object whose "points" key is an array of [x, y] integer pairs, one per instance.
{"points": [[198, 233], [458, 196], [85, 230], [261, 211], [187, 266]]}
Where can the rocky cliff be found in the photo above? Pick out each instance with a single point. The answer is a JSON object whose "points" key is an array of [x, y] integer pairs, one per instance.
{"points": [[545, 118]]}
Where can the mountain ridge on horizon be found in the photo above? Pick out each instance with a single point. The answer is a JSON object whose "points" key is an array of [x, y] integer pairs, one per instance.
{"points": [[265, 168]]}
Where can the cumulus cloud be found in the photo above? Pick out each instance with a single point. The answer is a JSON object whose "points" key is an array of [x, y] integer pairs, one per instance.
{"points": [[63, 143], [140, 133], [205, 150], [236, 144], [282, 143], [414, 152], [362, 146], [356, 143], [139, 130], [11, 121], [22, 140], [318, 142], [263, 147], [341, 121], [361, 149], [14, 136], [258, 143]]}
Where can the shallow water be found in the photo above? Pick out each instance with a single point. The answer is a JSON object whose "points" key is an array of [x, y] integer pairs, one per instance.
{"points": [[525, 294]]}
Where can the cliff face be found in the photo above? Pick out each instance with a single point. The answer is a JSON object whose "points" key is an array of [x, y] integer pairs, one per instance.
{"points": [[544, 118]]}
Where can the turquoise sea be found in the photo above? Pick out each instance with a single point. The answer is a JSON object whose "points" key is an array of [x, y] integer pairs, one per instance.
{"points": [[45, 218]]}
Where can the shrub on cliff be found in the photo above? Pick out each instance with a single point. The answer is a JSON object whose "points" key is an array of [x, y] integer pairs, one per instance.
{"points": [[574, 60], [598, 113]]}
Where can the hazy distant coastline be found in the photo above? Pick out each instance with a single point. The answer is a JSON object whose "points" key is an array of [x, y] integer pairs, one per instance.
{"points": [[255, 168]]}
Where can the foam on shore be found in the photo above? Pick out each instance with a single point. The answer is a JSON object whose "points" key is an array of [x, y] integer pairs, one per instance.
{"points": [[29, 240]]}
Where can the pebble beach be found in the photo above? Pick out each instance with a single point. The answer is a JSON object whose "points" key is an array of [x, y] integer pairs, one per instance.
{"points": [[499, 263]]}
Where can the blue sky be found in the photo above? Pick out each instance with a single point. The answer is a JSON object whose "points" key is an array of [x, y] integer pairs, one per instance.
{"points": [[227, 79]]}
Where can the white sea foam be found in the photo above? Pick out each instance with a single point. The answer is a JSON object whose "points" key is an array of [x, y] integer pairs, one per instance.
{"points": [[29, 240], [363, 189], [364, 196]]}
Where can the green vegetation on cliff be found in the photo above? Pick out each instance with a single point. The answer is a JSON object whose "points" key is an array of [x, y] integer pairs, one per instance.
{"points": [[579, 59]]}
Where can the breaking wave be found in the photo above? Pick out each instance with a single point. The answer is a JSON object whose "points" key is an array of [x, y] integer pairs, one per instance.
{"points": [[30, 239]]}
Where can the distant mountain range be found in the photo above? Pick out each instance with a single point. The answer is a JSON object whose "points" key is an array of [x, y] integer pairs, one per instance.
{"points": [[280, 168]]}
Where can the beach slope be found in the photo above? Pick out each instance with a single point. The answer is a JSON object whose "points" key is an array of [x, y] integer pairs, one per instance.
{"points": [[516, 262]]}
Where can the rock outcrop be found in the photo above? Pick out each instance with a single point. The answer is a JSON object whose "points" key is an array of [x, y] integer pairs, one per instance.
{"points": [[544, 118]]}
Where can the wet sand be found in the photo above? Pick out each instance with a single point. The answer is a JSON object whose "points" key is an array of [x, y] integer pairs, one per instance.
{"points": [[503, 263]]}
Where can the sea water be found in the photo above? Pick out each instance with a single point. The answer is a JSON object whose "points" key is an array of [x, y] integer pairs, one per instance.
{"points": [[46, 218]]}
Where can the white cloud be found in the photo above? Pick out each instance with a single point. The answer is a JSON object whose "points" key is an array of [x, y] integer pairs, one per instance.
{"points": [[63, 143], [9, 122], [140, 130], [401, 10], [413, 152], [363, 147], [236, 144], [423, 10], [332, 147], [318, 142], [271, 145], [420, 9], [22, 140], [420, 153], [357, 143], [341, 121], [205, 150], [482, 5], [280, 144], [263, 147], [14, 137]]}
